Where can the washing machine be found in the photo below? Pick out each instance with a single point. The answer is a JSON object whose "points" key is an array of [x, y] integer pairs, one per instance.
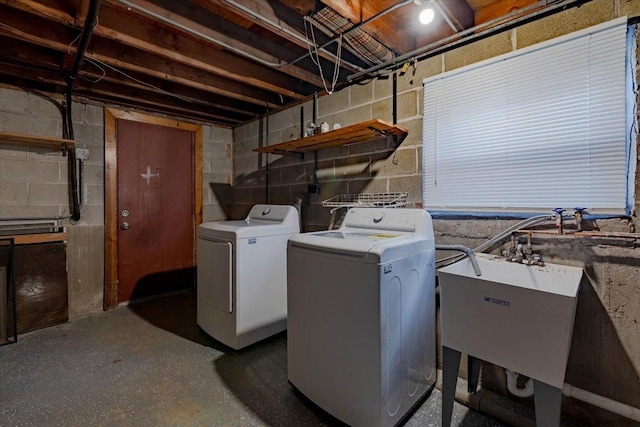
{"points": [[361, 338], [242, 281]]}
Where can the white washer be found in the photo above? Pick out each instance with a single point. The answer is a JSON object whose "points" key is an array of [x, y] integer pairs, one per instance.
{"points": [[361, 315], [242, 282]]}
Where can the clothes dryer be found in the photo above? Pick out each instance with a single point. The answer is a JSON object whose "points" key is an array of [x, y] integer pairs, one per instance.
{"points": [[242, 282]]}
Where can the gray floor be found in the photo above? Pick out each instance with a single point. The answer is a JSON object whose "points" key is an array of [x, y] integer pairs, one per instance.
{"points": [[149, 364]]}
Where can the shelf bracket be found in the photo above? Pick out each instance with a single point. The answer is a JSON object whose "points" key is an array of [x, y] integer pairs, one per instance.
{"points": [[289, 153], [65, 148]]}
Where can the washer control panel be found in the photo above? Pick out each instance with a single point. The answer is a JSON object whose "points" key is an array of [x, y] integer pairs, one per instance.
{"points": [[417, 221]]}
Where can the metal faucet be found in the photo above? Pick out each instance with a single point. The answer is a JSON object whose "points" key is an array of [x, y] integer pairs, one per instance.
{"points": [[558, 216], [579, 213]]}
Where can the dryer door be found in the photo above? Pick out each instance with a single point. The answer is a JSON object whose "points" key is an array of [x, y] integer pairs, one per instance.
{"points": [[215, 273]]}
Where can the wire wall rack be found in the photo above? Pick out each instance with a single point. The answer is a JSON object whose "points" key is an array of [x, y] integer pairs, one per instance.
{"points": [[364, 200], [367, 200]]}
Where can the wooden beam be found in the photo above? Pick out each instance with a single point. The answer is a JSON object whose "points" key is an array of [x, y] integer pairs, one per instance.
{"points": [[277, 19], [22, 26], [458, 12], [204, 24], [119, 24], [81, 12], [157, 100], [40, 9], [389, 29], [132, 59]]}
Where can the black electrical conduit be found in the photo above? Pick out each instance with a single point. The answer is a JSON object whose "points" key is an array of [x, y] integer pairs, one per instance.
{"points": [[90, 23]]}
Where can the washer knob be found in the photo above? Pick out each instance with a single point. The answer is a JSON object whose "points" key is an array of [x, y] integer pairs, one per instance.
{"points": [[377, 217], [266, 211]]}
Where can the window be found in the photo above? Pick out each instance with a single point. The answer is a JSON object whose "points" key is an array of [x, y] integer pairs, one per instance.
{"points": [[543, 127]]}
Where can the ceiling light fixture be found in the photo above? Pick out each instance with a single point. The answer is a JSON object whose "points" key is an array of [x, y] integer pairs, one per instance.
{"points": [[426, 16]]}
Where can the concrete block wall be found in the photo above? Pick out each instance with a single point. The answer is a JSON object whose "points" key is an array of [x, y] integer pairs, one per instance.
{"points": [[605, 352], [217, 173], [34, 183]]}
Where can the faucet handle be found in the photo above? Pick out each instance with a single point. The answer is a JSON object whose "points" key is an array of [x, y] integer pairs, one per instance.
{"points": [[580, 210], [559, 210]]}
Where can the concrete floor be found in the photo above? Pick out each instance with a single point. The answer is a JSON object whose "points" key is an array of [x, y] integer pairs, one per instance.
{"points": [[149, 364]]}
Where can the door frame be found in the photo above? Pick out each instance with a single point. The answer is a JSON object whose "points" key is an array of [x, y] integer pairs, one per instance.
{"points": [[111, 189]]}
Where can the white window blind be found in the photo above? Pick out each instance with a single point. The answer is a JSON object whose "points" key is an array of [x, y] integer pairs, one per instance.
{"points": [[536, 129]]}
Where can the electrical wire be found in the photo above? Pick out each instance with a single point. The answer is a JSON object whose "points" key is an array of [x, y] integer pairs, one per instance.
{"points": [[99, 63], [336, 67]]}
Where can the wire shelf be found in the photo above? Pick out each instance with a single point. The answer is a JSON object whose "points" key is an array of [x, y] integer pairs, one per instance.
{"points": [[367, 200]]}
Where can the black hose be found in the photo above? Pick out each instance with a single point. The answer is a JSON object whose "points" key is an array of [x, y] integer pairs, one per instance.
{"points": [[90, 23]]}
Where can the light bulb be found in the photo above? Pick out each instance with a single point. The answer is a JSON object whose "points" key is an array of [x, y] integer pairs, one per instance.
{"points": [[426, 16]]}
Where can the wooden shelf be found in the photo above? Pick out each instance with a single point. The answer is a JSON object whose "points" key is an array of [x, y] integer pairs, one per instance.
{"points": [[361, 132], [37, 141]]}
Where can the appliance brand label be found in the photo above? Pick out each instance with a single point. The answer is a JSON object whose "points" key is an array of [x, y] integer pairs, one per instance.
{"points": [[387, 269], [253, 240], [497, 301]]}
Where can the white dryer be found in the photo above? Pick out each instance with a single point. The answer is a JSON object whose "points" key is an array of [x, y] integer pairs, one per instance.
{"points": [[242, 282], [361, 315]]}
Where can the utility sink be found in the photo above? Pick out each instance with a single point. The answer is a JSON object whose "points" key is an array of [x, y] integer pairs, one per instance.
{"points": [[516, 316]]}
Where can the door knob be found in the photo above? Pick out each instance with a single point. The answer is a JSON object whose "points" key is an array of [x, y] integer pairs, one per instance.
{"points": [[125, 226]]}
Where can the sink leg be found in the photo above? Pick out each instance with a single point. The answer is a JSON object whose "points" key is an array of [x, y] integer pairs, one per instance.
{"points": [[450, 367], [473, 369], [548, 400]]}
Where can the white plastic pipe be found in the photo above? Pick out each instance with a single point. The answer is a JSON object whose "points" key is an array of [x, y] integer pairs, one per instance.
{"points": [[512, 385], [568, 390], [602, 402]]}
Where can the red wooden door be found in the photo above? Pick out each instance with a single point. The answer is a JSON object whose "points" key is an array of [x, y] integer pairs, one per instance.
{"points": [[155, 209]]}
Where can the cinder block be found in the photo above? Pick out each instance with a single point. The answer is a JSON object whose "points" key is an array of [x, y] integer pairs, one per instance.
{"points": [[410, 184], [478, 51], [29, 211], [40, 108], [258, 195], [215, 212], [414, 128], [241, 195], [375, 185], [399, 162], [280, 120], [13, 101], [245, 164], [383, 110], [383, 87], [296, 173], [220, 134], [629, 8], [41, 154], [361, 94], [94, 115], [408, 104], [565, 22], [382, 144], [292, 132], [48, 194], [330, 189], [217, 149], [14, 170], [13, 151], [18, 123], [280, 195], [93, 174], [337, 101], [89, 134], [89, 214], [93, 194], [330, 153], [13, 193], [221, 164], [426, 68], [355, 115], [353, 167], [206, 162]]}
